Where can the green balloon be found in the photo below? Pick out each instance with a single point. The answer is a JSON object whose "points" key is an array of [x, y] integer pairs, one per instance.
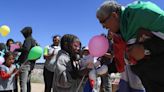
{"points": [[35, 53]]}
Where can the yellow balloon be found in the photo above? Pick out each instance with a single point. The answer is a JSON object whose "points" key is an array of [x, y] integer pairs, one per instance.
{"points": [[0, 30], [4, 30]]}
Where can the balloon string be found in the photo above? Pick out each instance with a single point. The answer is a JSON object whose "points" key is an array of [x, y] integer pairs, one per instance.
{"points": [[80, 83]]}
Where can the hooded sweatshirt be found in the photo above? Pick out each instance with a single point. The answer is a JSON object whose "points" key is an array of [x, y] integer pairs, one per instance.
{"points": [[28, 43]]}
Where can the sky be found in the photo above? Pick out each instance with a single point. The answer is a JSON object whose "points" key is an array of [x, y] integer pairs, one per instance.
{"points": [[51, 17]]}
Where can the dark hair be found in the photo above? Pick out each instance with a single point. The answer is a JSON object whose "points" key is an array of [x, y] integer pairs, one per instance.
{"points": [[56, 36], [83, 47], [102, 34], [7, 43], [67, 40], [8, 54]]}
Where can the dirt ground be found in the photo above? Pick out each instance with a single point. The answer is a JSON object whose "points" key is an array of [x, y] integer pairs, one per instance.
{"points": [[35, 87]]}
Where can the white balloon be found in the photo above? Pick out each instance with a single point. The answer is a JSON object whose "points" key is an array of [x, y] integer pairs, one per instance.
{"points": [[2, 60], [102, 70]]}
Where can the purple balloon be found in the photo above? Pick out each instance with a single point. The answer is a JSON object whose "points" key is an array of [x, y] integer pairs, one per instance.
{"points": [[98, 46]]}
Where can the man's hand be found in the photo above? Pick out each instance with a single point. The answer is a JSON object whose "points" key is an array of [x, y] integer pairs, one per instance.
{"points": [[108, 55]]}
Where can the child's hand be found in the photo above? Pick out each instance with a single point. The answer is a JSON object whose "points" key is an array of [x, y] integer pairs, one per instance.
{"points": [[87, 61]]}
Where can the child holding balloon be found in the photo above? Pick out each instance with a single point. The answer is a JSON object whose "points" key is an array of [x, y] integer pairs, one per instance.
{"points": [[98, 47], [68, 73], [8, 73]]}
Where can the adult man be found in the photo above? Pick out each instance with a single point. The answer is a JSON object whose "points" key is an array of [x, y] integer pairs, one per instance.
{"points": [[50, 53], [25, 73], [128, 22]]}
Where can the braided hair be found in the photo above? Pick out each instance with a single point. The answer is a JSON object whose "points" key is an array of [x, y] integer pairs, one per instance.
{"points": [[66, 45], [66, 42]]}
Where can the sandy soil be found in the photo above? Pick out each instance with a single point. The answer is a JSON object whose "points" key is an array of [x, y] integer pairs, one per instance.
{"points": [[36, 87]]}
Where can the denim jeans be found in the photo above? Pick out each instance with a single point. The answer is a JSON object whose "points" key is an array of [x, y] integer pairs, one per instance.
{"points": [[25, 77], [106, 83]]}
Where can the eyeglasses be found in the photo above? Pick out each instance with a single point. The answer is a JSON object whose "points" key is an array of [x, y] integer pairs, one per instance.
{"points": [[105, 20]]}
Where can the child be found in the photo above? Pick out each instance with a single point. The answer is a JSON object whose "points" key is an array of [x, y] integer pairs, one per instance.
{"points": [[67, 72], [7, 73]]}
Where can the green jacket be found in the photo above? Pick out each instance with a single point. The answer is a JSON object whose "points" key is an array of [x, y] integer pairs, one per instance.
{"points": [[141, 14]]}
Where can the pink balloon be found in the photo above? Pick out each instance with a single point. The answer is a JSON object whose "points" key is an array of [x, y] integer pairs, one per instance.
{"points": [[98, 46]]}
